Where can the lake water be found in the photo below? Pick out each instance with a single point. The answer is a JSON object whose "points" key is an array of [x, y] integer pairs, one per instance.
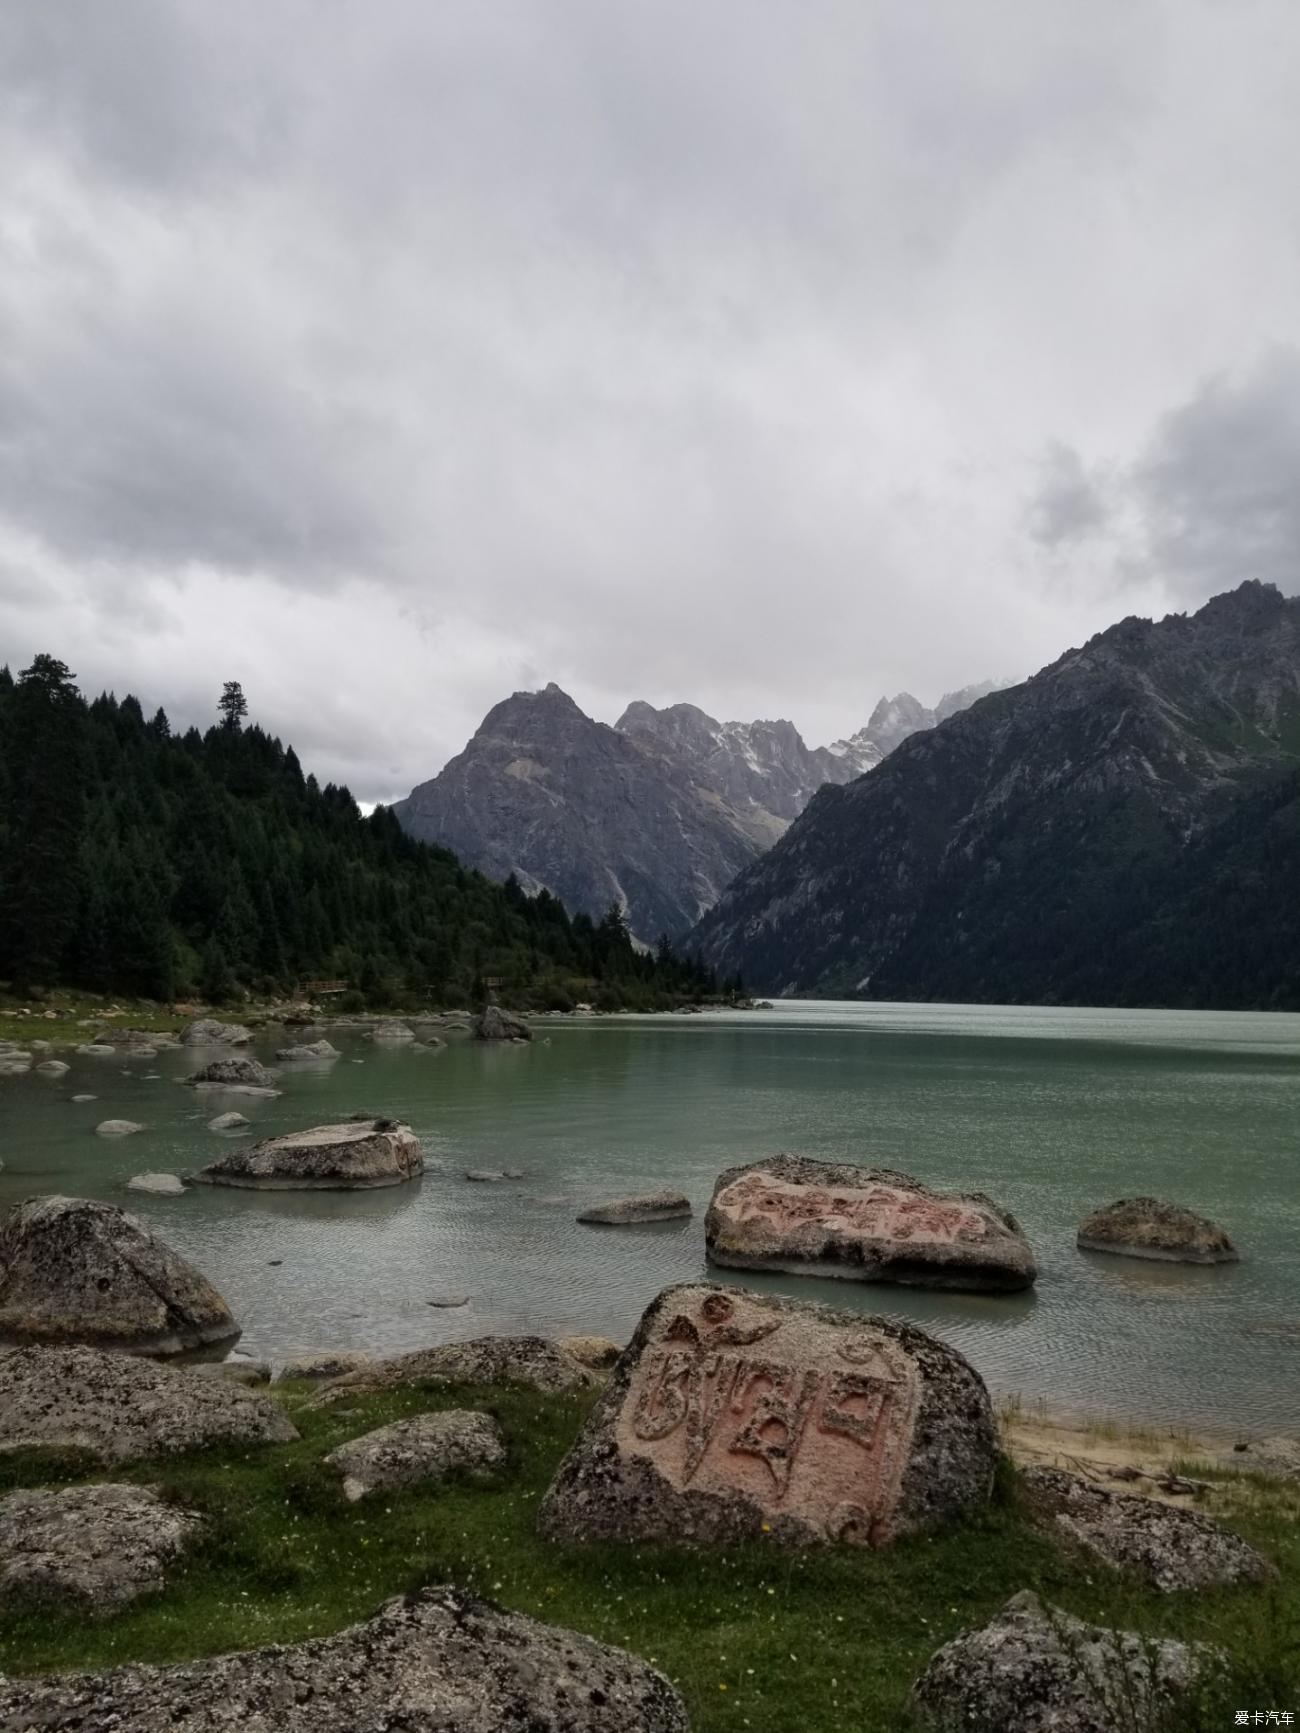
{"points": [[1052, 1112]]}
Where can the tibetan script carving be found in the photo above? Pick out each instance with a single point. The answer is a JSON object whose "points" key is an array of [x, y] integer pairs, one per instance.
{"points": [[807, 1418], [877, 1211]]}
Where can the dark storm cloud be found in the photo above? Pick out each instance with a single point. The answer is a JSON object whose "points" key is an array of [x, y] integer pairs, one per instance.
{"points": [[389, 358]]}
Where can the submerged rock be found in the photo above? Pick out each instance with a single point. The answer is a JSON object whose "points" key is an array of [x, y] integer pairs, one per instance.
{"points": [[821, 1218], [650, 1206], [120, 1408], [239, 1069], [208, 1032], [530, 1360], [117, 1127], [161, 1184], [1038, 1670], [76, 1270], [422, 1448], [97, 1547], [732, 1415], [354, 1156], [1172, 1548], [53, 1068], [498, 1025], [1146, 1227], [442, 1661], [227, 1122]]}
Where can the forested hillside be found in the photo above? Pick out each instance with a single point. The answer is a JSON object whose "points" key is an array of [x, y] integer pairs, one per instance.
{"points": [[136, 860]]}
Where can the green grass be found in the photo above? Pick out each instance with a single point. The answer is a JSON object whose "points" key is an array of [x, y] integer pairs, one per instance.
{"points": [[755, 1637], [69, 1028]]}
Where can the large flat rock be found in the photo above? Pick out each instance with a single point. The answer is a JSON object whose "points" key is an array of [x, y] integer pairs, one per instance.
{"points": [[354, 1156], [646, 1206], [76, 1270], [530, 1360], [439, 1662], [120, 1408], [732, 1415], [821, 1218], [1037, 1670], [91, 1547]]}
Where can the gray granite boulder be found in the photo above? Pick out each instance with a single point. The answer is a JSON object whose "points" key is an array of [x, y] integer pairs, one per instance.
{"points": [[353, 1156], [120, 1408], [118, 1128], [96, 1050], [309, 1050], [650, 1206], [734, 1414], [597, 1352], [1171, 1547], [160, 1184], [97, 1547], [239, 1068], [76, 1270], [423, 1448], [822, 1218], [1036, 1670], [12, 1066], [442, 1661], [498, 1025], [209, 1032], [1146, 1227], [53, 1068], [530, 1360]]}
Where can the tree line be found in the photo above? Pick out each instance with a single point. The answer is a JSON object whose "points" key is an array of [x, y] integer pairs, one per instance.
{"points": [[138, 860]]}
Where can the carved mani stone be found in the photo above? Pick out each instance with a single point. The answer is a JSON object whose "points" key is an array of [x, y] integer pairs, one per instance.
{"points": [[820, 1218], [733, 1414]]}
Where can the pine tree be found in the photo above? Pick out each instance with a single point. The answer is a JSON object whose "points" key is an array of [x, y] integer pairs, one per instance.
{"points": [[233, 706]]}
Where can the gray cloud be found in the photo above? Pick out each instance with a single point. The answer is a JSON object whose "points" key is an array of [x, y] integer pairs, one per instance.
{"points": [[1220, 481], [391, 360]]}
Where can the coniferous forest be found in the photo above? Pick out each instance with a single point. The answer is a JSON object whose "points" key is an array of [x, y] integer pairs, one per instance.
{"points": [[136, 860]]}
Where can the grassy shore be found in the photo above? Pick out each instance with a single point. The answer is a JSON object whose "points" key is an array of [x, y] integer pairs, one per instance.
{"points": [[754, 1637]]}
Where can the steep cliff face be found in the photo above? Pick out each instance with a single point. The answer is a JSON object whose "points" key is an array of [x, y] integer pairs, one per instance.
{"points": [[545, 792], [1052, 841]]}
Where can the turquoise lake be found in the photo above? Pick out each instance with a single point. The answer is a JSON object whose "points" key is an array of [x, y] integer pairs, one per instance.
{"points": [[1050, 1111]]}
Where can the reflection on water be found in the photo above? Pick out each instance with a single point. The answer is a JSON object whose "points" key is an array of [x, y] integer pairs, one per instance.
{"points": [[1052, 1112]]}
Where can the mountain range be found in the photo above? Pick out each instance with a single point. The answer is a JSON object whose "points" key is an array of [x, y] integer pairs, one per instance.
{"points": [[1123, 828], [658, 813]]}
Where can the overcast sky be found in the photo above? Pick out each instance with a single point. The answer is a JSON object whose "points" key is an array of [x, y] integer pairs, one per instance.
{"points": [[769, 354]]}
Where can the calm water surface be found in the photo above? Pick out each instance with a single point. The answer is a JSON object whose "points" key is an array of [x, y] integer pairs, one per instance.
{"points": [[1052, 1112]]}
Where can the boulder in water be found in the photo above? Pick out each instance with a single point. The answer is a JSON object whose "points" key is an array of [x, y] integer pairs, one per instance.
{"points": [[120, 1408], [1038, 1670], [498, 1025], [732, 1415], [118, 1127], [238, 1069], [75, 1270], [309, 1050], [209, 1032], [96, 1547], [1147, 1227], [392, 1034], [650, 1206], [354, 1156], [227, 1122], [160, 1184], [437, 1660], [824, 1218]]}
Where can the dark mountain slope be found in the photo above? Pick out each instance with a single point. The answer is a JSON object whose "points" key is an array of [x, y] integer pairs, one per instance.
{"points": [[1054, 841]]}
